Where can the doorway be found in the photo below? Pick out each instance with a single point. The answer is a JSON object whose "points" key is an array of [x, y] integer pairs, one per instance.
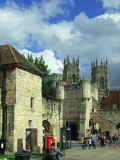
{"points": [[107, 133], [31, 140], [74, 134]]}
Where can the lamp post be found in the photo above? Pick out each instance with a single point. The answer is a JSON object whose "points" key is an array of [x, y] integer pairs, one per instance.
{"points": [[68, 137]]}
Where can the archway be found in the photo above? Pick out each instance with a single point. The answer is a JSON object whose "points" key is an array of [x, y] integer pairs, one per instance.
{"points": [[46, 127], [74, 131], [46, 130]]}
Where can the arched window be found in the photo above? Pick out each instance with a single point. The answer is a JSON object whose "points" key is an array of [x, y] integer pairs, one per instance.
{"points": [[102, 83], [74, 78]]}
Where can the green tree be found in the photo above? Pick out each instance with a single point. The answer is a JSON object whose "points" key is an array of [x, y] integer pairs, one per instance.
{"points": [[47, 88]]}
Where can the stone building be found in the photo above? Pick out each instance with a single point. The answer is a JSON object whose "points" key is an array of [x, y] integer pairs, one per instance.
{"points": [[21, 102], [82, 98], [26, 118], [52, 119], [112, 101]]}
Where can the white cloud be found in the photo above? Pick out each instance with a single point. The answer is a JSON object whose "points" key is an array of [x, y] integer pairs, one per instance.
{"points": [[18, 24], [111, 17], [87, 38], [54, 64], [111, 4], [50, 8], [116, 58]]}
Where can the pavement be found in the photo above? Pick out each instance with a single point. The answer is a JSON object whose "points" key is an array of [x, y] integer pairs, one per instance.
{"points": [[77, 153]]}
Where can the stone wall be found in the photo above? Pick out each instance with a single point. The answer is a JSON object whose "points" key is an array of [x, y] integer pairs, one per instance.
{"points": [[60, 91], [104, 123], [52, 114], [111, 114], [24, 104]]}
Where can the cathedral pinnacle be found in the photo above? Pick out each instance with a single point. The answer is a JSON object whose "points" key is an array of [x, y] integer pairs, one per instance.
{"points": [[96, 62]]}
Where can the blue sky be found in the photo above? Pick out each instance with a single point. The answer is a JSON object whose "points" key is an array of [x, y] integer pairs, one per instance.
{"points": [[89, 29]]}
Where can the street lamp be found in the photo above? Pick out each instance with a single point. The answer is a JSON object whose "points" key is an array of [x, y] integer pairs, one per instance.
{"points": [[68, 137]]}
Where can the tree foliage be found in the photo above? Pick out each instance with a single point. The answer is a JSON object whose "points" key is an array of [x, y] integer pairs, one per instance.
{"points": [[47, 88]]}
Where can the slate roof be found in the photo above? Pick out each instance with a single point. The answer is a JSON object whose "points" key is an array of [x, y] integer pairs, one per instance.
{"points": [[9, 56]]}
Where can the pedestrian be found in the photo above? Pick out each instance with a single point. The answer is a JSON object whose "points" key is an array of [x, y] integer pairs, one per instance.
{"points": [[110, 140], [90, 142], [93, 143], [51, 152], [114, 139], [58, 154], [85, 142], [102, 141]]}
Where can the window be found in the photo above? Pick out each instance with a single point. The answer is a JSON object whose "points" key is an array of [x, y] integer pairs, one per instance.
{"points": [[31, 102], [102, 83], [74, 78], [30, 123]]}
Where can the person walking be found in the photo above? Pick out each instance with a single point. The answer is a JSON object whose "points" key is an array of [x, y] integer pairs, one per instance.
{"points": [[110, 140], [90, 142], [102, 141], [114, 139], [93, 143]]}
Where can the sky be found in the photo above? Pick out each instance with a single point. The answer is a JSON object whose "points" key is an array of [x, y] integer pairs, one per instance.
{"points": [[88, 29]]}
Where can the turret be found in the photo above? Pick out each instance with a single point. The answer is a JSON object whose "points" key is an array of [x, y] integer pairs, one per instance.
{"points": [[100, 76], [71, 72]]}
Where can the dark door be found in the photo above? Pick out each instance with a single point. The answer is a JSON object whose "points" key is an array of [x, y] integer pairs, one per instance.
{"points": [[31, 139], [73, 132]]}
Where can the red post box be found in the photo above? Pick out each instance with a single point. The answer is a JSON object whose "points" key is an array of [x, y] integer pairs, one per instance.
{"points": [[49, 141]]}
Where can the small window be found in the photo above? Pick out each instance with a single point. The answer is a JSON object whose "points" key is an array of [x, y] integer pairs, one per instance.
{"points": [[30, 123], [70, 112], [31, 102], [114, 106]]}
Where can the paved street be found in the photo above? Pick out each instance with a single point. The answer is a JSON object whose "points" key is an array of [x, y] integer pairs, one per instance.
{"points": [[77, 153]]}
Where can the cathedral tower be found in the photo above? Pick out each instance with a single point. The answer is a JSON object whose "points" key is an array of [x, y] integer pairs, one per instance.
{"points": [[100, 76], [71, 72]]}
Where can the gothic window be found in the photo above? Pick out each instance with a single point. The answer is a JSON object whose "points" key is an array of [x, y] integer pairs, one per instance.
{"points": [[102, 83], [74, 78]]}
